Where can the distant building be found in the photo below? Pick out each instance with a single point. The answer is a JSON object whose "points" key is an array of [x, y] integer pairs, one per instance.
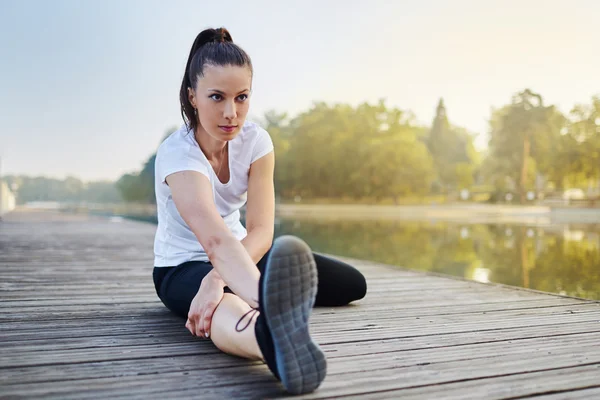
{"points": [[7, 199]]}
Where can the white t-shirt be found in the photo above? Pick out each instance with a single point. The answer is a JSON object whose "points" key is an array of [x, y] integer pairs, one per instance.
{"points": [[175, 243]]}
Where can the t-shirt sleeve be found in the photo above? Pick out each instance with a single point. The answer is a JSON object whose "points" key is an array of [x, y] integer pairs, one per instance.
{"points": [[178, 159], [262, 146]]}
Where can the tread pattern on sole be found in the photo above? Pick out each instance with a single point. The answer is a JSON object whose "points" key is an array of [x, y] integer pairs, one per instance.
{"points": [[290, 287]]}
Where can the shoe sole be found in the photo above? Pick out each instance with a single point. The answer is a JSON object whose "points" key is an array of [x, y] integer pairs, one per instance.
{"points": [[290, 287]]}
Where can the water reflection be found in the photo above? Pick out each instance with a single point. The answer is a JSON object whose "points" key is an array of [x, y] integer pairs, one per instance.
{"points": [[559, 259]]}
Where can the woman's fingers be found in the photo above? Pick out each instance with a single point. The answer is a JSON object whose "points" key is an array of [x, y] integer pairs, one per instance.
{"points": [[189, 325], [195, 326], [198, 327], [207, 320]]}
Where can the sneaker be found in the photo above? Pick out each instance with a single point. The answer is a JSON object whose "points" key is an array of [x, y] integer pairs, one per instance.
{"points": [[287, 291]]}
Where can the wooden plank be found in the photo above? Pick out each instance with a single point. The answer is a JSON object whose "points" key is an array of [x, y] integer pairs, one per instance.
{"points": [[407, 326], [152, 300], [592, 392], [181, 335], [565, 381], [424, 295], [122, 348], [438, 374], [323, 333], [152, 309], [65, 354], [82, 370], [354, 378]]}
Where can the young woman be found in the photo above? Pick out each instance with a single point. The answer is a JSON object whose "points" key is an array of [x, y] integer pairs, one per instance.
{"points": [[250, 295]]}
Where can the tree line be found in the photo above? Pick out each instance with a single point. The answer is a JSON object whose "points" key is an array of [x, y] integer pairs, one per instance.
{"points": [[68, 190], [373, 151]]}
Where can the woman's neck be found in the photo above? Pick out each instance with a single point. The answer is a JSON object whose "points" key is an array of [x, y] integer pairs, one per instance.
{"points": [[213, 149]]}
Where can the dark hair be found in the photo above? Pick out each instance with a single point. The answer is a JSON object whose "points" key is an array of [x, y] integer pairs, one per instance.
{"points": [[212, 47]]}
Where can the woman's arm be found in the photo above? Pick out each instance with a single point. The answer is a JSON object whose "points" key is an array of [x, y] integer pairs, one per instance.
{"points": [[260, 208], [193, 197]]}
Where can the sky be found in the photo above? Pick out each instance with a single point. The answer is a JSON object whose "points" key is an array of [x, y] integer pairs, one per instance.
{"points": [[89, 88]]}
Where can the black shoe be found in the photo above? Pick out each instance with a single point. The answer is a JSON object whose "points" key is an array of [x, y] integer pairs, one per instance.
{"points": [[287, 291]]}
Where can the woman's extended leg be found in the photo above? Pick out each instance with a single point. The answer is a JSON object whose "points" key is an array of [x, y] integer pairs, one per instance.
{"points": [[338, 283]]}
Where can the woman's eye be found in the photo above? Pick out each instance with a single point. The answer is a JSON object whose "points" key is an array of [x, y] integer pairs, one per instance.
{"points": [[215, 97], [243, 97]]}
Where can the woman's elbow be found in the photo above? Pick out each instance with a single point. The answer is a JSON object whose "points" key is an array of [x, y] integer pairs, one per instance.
{"points": [[214, 245]]}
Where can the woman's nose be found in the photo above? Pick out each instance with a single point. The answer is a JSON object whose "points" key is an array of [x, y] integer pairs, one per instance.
{"points": [[230, 110]]}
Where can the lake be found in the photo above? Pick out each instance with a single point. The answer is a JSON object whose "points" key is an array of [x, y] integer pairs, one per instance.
{"points": [[562, 259]]}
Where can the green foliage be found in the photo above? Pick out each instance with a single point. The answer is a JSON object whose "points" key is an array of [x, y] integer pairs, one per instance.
{"points": [[337, 150], [452, 151], [139, 187], [529, 139], [581, 144]]}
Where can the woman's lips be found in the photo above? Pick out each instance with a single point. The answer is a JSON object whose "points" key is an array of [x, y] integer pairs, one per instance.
{"points": [[228, 128]]}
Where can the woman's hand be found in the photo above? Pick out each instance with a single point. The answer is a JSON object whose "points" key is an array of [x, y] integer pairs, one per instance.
{"points": [[204, 304]]}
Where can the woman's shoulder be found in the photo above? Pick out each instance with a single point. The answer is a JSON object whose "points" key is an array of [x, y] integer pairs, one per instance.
{"points": [[256, 141], [178, 153], [251, 131]]}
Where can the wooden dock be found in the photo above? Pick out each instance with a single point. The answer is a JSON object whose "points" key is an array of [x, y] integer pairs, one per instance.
{"points": [[79, 319]]}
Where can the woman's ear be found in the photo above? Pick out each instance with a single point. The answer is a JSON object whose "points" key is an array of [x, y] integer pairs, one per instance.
{"points": [[192, 97]]}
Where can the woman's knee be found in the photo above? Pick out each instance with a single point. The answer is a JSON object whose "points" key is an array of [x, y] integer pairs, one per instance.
{"points": [[359, 286], [354, 287], [339, 283]]}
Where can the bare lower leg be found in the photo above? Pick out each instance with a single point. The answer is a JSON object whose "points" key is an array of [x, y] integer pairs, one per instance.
{"points": [[223, 328]]}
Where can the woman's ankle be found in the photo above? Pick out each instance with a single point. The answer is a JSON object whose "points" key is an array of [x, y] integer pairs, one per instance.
{"points": [[264, 342]]}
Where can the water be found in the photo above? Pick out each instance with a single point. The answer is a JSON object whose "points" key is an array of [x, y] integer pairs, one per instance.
{"points": [[562, 259]]}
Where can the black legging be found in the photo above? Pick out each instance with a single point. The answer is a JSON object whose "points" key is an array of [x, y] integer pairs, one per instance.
{"points": [[339, 283]]}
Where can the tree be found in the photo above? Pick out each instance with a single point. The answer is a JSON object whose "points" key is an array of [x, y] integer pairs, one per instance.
{"points": [[401, 163], [452, 151], [524, 135], [582, 141], [277, 124], [341, 151]]}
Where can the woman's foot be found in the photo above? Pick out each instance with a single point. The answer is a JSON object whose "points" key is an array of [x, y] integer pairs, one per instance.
{"points": [[287, 290]]}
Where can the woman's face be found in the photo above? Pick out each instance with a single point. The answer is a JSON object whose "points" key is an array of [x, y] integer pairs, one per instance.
{"points": [[222, 99]]}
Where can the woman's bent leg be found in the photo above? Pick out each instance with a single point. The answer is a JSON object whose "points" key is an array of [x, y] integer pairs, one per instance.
{"points": [[178, 287], [227, 316]]}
